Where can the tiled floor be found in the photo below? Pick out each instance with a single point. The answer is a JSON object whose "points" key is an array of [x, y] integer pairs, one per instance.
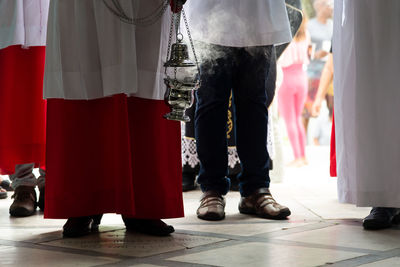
{"points": [[320, 232]]}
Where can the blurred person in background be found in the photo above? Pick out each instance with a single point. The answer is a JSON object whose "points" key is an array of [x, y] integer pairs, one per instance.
{"points": [[320, 28], [293, 92], [325, 85], [23, 26]]}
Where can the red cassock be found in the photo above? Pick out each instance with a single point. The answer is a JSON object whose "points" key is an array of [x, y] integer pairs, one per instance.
{"points": [[22, 108], [109, 149]]}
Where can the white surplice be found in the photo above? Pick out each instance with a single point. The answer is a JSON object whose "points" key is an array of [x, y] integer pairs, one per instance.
{"points": [[96, 55], [367, 101], [23, 22], [239, 23]]}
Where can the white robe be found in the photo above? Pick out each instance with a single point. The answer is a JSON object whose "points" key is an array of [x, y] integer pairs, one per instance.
{"points": [[92, 54], [239, 23], [23, 22], [367, 101]]}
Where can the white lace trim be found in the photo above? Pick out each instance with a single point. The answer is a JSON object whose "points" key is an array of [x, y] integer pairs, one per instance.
{"points": [[189, 152]]}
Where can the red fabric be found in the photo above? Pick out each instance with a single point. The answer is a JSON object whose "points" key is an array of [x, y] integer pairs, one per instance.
{"points": [[333, 170], [112, 155], [22, 108]]}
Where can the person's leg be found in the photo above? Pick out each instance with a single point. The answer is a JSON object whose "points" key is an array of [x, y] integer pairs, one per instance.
{"points": [[252, 117], [251, 92], [211, 122], [24, 182], [210, 131], [299, 102], [288, 110]]}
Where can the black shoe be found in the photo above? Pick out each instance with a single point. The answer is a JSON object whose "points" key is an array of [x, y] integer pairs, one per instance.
{"points": [[381, 218], [81, 226], [188, 181], [24, 203], [41, 198], [3, 194], [6, 185], [147, 226]]}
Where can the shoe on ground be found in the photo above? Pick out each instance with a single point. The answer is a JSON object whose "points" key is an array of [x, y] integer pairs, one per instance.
{"points": [[41, 198], [24, 203], [212, 206], [262, 204], [81, 226], [148, 226], [3, 193], [188, 181], [6, 185], [381, 218]]}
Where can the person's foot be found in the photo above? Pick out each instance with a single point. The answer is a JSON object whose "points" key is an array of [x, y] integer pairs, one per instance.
{"points": [[148, 226], [24, 203], [41, 198], [188, 181], [381, 218], [81, 226], [297, 163], [262, 204], [212, 206]]}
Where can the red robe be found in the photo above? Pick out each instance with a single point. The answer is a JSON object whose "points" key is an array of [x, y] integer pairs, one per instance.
{"points": [[22, 108]]}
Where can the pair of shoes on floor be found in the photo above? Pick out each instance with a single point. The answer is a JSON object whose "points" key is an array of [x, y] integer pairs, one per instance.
{"points": [[381, 218], [148, 226], [81, 226], [260, 203], [24, 203]]}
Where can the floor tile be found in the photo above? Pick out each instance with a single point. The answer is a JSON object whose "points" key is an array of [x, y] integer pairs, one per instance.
{"points": [[241, 228], [349, 236], [146, 265], [135, 245], [392, 262], [261, 254], [18, 256]]}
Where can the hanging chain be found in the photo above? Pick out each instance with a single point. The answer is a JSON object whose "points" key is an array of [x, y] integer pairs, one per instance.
{"points": [[116, 8], [190, 40]]}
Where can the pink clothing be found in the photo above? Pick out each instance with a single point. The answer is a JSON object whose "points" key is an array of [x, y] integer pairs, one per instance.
{"points": [[295, 53], [293, 93]]}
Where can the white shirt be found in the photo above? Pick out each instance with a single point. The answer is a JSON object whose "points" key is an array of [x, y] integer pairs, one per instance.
{"points": [[23, 22], [239, 23]]}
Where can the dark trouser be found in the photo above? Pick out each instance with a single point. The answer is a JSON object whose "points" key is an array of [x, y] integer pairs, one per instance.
{"points": [[246, 71]]}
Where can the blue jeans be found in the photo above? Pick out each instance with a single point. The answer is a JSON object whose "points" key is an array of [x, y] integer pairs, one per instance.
{"points": [[251, 74]]}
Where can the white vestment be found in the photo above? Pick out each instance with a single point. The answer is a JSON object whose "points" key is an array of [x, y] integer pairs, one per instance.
{"points": [[23, 22], [239, 23], [367, 101], [97, 55]]}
